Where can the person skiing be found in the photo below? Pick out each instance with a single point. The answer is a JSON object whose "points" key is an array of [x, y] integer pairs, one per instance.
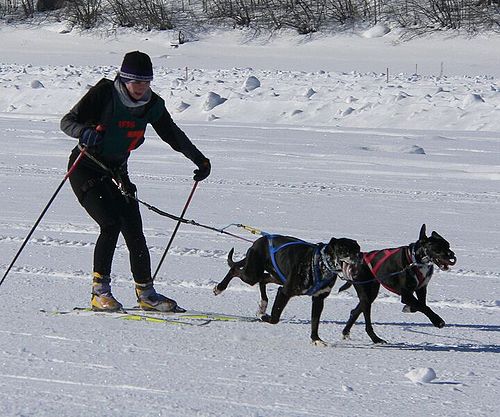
{"points": [[109, 122]]}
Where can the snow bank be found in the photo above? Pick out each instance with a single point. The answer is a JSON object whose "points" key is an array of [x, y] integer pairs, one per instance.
{"points": [[376, 31]]}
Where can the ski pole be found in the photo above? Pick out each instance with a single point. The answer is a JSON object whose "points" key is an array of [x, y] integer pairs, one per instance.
{"points": [[70, 171], [176, 228]]}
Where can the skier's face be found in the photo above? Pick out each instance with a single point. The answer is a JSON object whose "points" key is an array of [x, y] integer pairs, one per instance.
{"points": [[137, 89]]}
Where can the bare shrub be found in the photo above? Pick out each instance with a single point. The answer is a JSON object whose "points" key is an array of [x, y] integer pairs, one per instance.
{"points": [[143, 14], [154, 14], [123, 13], [240, 12], [48, 5], [28, 7], [429, 15], [86, 14], [341, 11], [17, 9], [9, 7], [306, 16]]}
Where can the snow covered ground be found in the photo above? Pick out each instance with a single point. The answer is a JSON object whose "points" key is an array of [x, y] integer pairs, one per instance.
{"points": [[325, 146]]}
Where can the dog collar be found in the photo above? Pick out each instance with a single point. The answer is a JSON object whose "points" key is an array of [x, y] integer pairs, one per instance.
{"points": [[331, 268], [411, 253], [321, 279]]}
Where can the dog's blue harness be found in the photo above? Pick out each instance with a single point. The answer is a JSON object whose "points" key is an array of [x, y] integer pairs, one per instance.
{"points": [[319, 280]]}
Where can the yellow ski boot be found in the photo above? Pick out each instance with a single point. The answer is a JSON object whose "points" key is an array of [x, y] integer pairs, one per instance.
{"points": [[149, 299], [102, 299]]}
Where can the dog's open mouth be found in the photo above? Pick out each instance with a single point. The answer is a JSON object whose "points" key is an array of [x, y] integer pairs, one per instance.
{"points": [[444, 264]]}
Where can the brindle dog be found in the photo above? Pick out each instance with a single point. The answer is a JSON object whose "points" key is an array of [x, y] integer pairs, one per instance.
{"points": [[405, 270], [300, 268]]}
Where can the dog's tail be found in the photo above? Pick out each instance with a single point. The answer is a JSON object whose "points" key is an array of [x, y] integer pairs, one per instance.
{"points": [[344, 287], [230, 261], [233, 264]]}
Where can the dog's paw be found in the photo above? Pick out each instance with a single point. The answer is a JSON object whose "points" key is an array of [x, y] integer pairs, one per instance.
{"points": [[216, 291], [319, 342], [437, 321], [440, 324], [346, 336], [266, 318], [379, 340]]}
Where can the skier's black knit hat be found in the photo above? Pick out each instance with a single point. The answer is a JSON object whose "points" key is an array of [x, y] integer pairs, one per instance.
{"points": [[136, 66]]}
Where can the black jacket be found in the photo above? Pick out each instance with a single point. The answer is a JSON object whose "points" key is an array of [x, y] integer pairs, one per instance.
{"points": [[97, 105]]}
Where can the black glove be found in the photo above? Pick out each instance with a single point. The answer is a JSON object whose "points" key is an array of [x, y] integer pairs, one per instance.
{"points": [[203, 171], [127, 187], [91, 138]]}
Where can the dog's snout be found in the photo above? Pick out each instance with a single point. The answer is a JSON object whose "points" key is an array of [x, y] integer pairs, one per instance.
{"points": [[352, 259], [350, 271]]}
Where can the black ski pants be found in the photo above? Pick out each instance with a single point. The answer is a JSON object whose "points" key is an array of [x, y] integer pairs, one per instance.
{"points": [[114, 214]]}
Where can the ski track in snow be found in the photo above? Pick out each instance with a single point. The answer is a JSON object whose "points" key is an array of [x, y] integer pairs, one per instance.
{"points": [[311, 188]]}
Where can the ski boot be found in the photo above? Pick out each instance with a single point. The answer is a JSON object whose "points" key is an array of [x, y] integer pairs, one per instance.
{"points": [[102, 299], [149, 299]]}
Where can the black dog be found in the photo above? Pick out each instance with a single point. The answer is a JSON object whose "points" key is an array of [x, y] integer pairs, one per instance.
{"points": [[404, 271], [301, 268]]}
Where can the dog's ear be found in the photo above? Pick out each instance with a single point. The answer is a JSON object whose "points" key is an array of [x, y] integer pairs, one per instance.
{"points": [[422, 234], [332, 242], [332, 246], [436, 235]]}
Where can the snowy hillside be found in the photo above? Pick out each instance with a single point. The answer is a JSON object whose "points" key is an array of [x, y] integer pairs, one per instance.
{"points": [[302, 142]]}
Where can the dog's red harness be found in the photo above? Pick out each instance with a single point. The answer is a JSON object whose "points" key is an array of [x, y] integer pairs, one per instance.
{"points": [[370, 256], [376, 259]]}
